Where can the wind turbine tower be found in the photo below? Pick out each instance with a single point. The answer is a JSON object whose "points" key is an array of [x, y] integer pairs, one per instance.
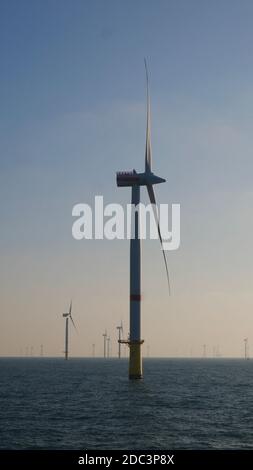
{"points": [[108, 346], [68, 317], [135, 180], [105, 337], [120, 330]]}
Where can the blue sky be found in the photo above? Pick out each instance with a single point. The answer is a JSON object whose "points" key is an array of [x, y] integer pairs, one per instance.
{"points": [[72, 94]]}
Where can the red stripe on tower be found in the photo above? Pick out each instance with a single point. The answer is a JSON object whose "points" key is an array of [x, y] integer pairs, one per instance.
{"points": [[135, 297]]}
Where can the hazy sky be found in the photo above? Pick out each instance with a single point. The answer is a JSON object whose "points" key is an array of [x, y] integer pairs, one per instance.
{"points": [[72, 113]]}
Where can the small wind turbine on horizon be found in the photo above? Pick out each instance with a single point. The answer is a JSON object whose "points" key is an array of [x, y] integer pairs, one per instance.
{"points": [[135, 181], [68, 316], [246, 348], [108, 346], [120, 330], [105, 337]]}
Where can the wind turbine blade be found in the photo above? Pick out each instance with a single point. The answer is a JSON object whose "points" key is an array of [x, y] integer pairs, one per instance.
{"points": [[70, 308], [73, 322], [148, 152], [153, 202]]}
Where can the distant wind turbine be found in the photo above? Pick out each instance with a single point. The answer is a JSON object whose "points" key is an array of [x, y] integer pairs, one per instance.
{"points": [[68, 316], [120, 330], [246, 346], [105, 337], [135, 181], [108, 346]]}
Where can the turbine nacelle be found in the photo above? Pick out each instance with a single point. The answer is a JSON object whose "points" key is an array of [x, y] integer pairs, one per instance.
{"points": [[132, 178], [69, 315]]}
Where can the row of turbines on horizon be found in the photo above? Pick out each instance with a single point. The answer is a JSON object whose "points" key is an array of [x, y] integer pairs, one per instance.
{"points": [[29, 351], [216, 351], [121, 341]]}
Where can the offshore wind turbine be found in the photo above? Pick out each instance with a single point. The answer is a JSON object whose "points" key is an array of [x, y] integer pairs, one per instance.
{"points": [[105, 337], [135, 181], [108, 346], [120, 330], [68, 316]]}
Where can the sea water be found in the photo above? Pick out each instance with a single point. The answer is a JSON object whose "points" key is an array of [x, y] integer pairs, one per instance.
{"points": [[90, 404]]}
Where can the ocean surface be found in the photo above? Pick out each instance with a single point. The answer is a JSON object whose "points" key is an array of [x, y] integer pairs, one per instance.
{"points": [[91, 404]]}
